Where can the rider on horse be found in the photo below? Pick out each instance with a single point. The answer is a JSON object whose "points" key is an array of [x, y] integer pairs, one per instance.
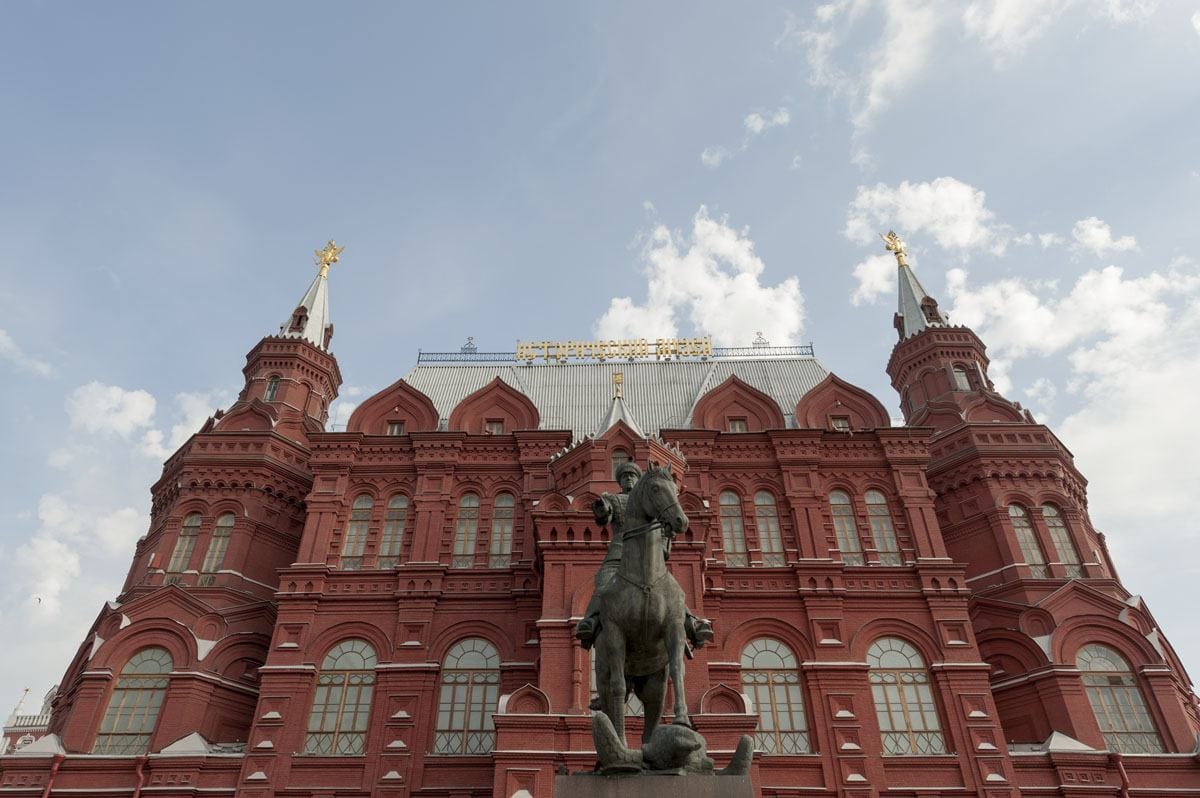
{"points": [[610, 509]]}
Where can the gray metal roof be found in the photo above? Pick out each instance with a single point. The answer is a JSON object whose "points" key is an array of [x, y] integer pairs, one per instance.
{"points": [[316, 302], [911, 295], [660, 394]]}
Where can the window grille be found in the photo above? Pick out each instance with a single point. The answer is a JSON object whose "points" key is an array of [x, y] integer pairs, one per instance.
{"points": [[770, 539], [733, 536], [1117, 702], [1027, 540], [185, 545], [845, 529], [904, 705], [218, 545], [272, 389], [1068, 555], [882, 530], [393, 531], [470, 690], [395, 428], [341, 708], [771, 678], [133, 708], [465, 532], [355, 541], [500, 553], [738, 425]]}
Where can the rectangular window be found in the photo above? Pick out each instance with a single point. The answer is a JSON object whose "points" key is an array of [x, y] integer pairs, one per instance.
{"points": [[840, 423], [395, 428], [494, 426], [216, 551], [737, 425], [183, 552]]}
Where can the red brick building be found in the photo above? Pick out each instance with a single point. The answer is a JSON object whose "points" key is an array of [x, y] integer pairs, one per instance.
{"points": [[909, 611]]}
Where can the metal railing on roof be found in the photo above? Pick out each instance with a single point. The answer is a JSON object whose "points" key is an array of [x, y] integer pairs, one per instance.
{"points": [[801, 350]]}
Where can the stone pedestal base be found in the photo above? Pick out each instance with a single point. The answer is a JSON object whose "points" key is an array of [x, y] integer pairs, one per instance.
{"points": [[587, 785]]}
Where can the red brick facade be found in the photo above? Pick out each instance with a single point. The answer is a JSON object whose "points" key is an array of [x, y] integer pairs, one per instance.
{"points": [[997, 635]]}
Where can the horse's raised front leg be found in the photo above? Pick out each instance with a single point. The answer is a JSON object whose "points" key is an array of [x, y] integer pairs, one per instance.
{"points": [[675, 656], [610, 677]]}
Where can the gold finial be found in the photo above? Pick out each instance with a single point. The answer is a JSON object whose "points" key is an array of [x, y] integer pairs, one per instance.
{"points": [[893, 243], [618, 379], [327, 257]]}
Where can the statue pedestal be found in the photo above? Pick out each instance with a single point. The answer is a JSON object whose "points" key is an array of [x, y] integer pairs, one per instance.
{"points": [[588, 785]]}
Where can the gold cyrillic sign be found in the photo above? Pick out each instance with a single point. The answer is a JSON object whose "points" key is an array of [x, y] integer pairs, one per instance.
{"points": [[621, 349]]}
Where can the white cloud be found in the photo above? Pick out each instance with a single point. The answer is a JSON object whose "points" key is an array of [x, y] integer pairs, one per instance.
{"points": [[1124, 12], [1007, 27], [96, 407], [339, 413], [712, 157], [10, 351], [712, 278], [758, 123], [876, 278], [193, 409], [1095, 236], [120, 530], [1196, 22], [953, 212], [1048, 240]]}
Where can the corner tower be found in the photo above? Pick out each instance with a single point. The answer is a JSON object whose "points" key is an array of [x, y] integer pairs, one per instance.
{"points": [[1045, 598]]}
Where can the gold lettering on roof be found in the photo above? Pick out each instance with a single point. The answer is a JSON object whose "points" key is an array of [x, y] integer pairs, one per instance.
{"points": [[614, 349]]}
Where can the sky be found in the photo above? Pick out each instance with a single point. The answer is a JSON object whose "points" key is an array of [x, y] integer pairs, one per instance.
{"points": [[557, 171]]}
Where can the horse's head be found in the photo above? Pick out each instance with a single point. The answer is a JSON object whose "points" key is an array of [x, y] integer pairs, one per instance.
{"points": [[656, 496]]}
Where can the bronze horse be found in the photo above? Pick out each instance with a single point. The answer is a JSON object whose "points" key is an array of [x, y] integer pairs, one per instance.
{"points": [[641, 640]]}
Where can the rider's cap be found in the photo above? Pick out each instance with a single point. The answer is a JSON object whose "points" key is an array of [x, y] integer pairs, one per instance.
{"points": [[627, 467]]}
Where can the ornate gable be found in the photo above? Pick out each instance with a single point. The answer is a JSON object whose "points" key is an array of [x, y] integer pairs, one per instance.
{"points": [[732, 401], [398, 403], [834, 398], [495, 402]]}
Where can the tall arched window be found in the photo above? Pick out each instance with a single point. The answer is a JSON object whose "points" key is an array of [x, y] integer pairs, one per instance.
{"points": [[393, 531], [465, 532], [881, 528], [218, 545], [770, 540], [961, 381], [272, 389], [1027, 540], [1117, 702], [771, 677], [500, 550], [133, 708], [845, 528], [733, 536], [355, 541], [185, 545], [904, 705], [1068, 555], [341, 707], [470, 690]]}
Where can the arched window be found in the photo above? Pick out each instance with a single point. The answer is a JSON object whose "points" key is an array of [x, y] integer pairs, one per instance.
{"points": [[845, 528], [908, 719], [618, 456], [470, 690], [1027, 540], [733, 536], [356, 533], [465, 532], [1117, 702], [772, 680], [1068, 555], [633, 705], [500, 551], [133, 708], [393, 531], [341, 706], [881, 528], [961, 381], [272, 389], [218, 545], [185, 545], [770, 540]]}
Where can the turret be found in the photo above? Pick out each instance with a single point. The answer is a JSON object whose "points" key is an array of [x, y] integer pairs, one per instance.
{"points": [[939, 369]]}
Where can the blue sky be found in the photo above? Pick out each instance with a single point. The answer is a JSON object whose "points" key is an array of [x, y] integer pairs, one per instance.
{"points": [[560, 171]]}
